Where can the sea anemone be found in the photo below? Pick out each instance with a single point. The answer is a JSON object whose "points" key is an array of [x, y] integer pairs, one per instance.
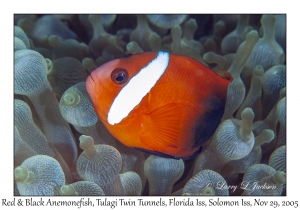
{"points": [[39, 175], [103, 164], [206, 182], [81, 188], [162, 173], [61, 147], [260, 175]]}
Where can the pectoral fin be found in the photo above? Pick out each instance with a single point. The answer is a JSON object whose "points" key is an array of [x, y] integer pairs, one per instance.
{"points": [[166, 128]]}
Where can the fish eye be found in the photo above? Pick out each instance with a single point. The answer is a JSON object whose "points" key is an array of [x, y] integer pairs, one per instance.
{"points": [[119, 76]]}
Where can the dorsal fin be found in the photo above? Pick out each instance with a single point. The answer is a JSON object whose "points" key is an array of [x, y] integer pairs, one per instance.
{"points": [[224, 74]]}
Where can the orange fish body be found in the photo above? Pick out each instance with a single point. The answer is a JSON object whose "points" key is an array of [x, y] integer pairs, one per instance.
{"points": [[159, 102]]}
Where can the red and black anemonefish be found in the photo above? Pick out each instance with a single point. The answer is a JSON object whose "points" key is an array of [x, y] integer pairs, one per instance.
{"points": [[159, 103]]}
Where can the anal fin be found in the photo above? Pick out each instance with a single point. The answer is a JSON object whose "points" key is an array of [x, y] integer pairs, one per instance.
{"points": [[150, 152]]}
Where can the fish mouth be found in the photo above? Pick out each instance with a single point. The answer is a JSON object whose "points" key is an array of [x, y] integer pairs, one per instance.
{"points": [[93, 85]]}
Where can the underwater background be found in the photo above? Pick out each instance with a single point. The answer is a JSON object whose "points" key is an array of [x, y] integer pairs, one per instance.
{"points": [[61, 147]]}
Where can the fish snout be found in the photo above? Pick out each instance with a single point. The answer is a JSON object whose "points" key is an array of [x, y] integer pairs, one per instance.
{"points": [[93, 84]]}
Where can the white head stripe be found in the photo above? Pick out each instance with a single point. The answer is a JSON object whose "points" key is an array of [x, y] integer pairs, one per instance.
{"points": [[139, 85]]}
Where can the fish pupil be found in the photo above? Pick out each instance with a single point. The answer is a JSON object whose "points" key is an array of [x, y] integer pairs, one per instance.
{"points": [[120, 78]]}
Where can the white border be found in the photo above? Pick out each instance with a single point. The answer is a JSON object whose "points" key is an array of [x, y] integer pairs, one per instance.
{"points": [[8, 8]]}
